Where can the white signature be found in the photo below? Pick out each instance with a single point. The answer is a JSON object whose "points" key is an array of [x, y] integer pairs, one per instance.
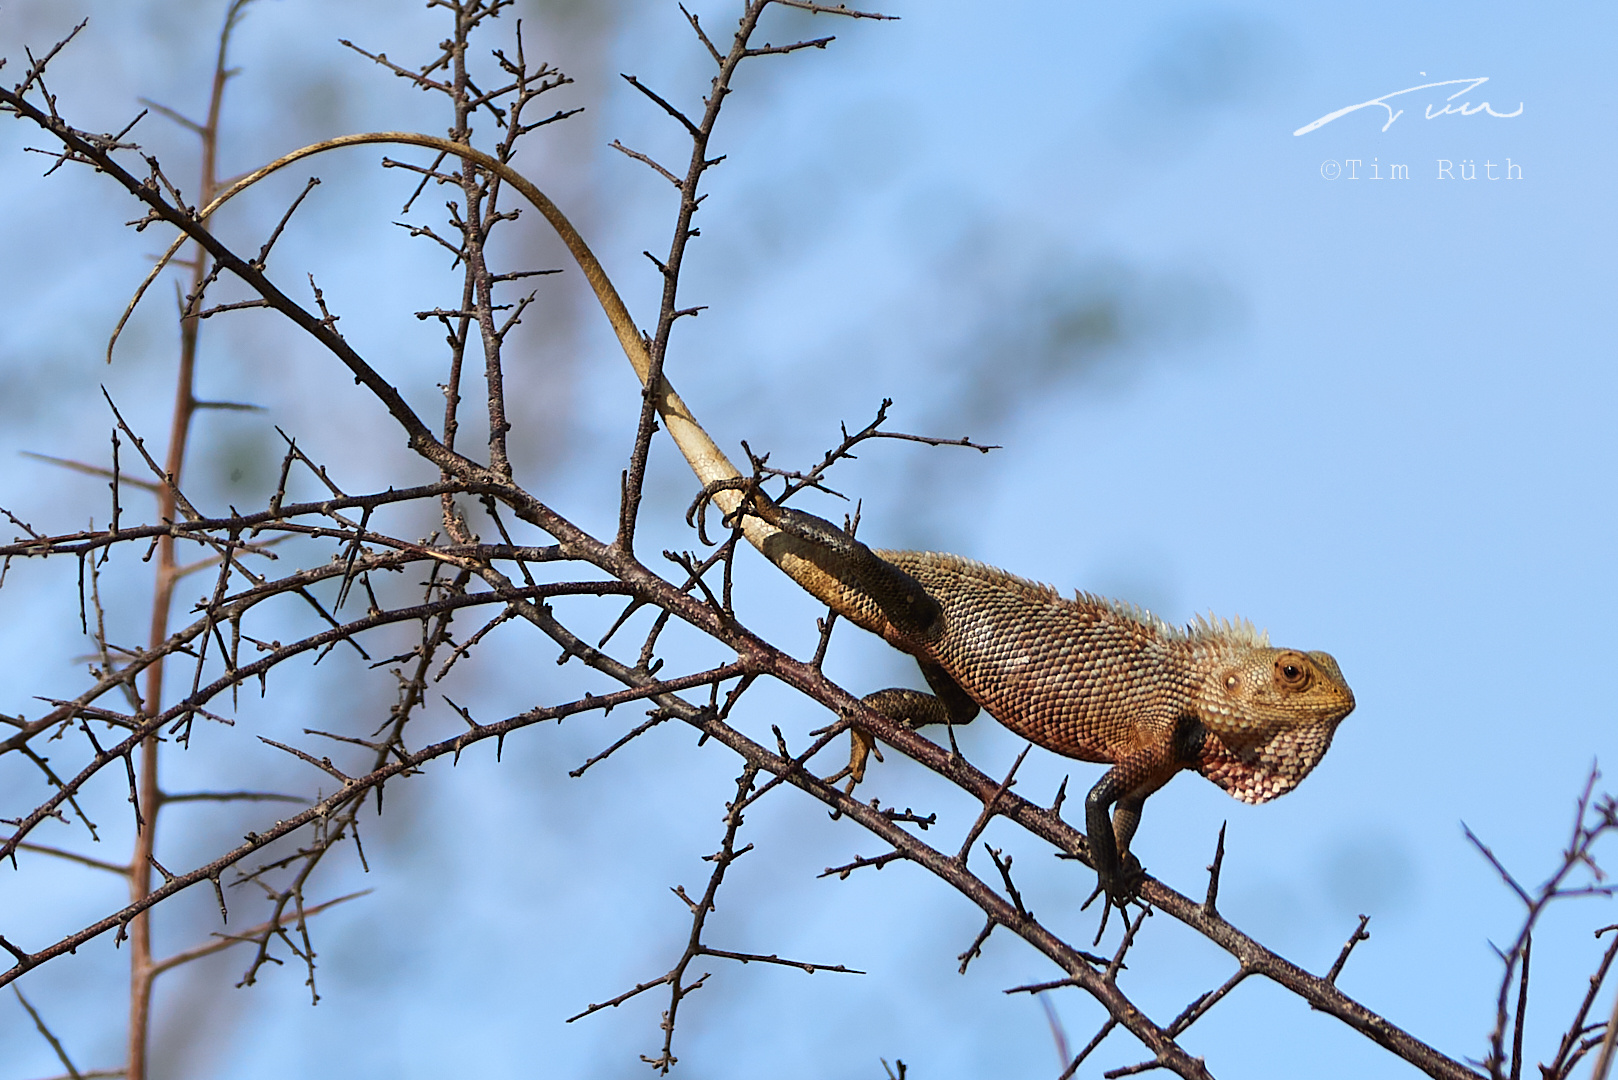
{"points": [[1460, 108]]}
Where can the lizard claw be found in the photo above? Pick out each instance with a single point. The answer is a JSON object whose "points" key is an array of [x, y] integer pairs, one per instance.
{"points": [[860, 748], [697, 514]]}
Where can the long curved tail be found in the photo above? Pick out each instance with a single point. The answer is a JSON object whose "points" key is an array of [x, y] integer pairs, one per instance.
{"points": [[803, 562], [795, 557]]}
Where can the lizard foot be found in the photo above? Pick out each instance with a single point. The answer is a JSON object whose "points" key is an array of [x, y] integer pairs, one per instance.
{"points": [[911, 708], [1120, 889], [697, 514], [861, 746]]}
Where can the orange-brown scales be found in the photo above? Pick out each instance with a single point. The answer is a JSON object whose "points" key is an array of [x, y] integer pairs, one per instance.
{"points": [[1085, 677]]}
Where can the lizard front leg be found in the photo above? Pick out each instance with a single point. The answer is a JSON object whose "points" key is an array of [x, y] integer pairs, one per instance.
{"points": [[1117, 871], [1124, 789]]}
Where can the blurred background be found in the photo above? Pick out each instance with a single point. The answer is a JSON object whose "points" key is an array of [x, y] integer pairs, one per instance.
{"points": [[1372, 416]]}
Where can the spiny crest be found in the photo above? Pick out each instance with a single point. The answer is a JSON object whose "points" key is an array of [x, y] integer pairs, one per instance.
{"points": [[967, 567], [1208, 629], [1129, 612], [1213, 629]]}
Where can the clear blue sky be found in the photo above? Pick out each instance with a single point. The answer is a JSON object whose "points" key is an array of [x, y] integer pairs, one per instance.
{"points": [[1374, 416]]}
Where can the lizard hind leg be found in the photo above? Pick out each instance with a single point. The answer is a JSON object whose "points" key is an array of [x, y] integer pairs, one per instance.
{"points": [[912, 708], [948, 704]]}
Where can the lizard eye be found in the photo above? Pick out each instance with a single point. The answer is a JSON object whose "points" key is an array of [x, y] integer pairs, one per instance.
{"points": [[1292, 671], [1232, 681]]}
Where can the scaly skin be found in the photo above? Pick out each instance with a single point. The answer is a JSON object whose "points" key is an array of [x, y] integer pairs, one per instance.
{"points": [[1086, 678]]}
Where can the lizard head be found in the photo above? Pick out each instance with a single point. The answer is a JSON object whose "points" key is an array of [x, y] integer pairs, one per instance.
{"points": [[1271, 713]]}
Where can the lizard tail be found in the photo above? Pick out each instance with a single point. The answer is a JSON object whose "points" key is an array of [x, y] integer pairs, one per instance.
{"points": [[700, 451], [795, 557], [703, 455], [804, 562]]}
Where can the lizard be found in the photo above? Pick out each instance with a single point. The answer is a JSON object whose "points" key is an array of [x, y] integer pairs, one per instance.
{"points": [[1087, 678]]}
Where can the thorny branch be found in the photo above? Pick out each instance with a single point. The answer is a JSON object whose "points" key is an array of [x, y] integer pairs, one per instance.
{"points": [[675, 978], [362, 542], [1593, 818]]}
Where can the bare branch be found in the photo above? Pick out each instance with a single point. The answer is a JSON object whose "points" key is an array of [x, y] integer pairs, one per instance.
{"points": [[246, 937], [56, 1044], [834, 9], [1354, 939], [89, 470], [654, 166], [73, 856], [664, 105]]}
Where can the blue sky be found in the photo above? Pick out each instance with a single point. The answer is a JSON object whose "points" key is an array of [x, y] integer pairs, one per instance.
{"points": [[1374, 417]]}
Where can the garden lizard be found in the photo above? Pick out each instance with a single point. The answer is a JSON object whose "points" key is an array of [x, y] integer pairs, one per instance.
{"points": [[1085, 677]]}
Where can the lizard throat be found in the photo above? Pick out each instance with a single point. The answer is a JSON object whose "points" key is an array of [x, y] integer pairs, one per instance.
{"points": [[1263, 771]]}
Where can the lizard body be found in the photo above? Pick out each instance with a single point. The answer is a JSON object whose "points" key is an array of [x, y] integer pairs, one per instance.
{"points": [[1087, 678], [1101, 681]]}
